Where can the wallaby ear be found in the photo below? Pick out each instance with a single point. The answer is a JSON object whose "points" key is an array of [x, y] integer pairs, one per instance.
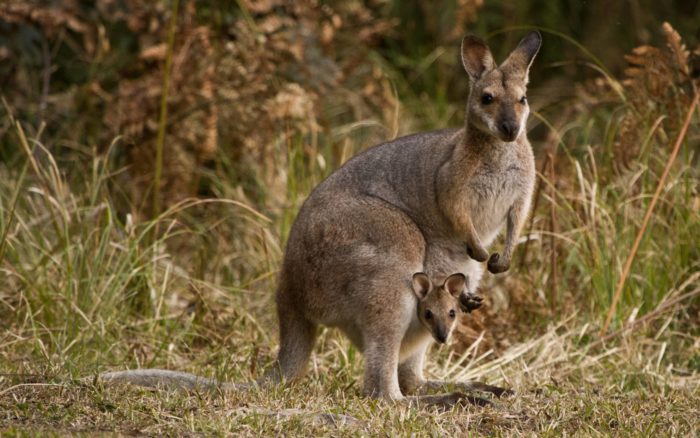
{"points": [[455, 284], [521, 58], [476, 57], [421, 285]]}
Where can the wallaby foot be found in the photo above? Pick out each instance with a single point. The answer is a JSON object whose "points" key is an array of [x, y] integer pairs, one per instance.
{"points": [[469, 301], [447, 401], [411, 381], [496, 264], [432, 385], [477, 252], [381, 369]]}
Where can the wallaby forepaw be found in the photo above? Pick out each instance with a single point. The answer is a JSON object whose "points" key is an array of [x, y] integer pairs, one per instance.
{"points": [[496, 265], [469, 301], [477, 253]]}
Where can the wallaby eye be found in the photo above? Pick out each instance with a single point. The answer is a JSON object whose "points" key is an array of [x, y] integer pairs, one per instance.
{"points": [[486, 98], [452, 314], [523, 99], [428, 314]]}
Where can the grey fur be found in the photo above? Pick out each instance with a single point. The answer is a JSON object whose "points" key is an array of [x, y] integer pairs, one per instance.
{"points": [[405, 206]]}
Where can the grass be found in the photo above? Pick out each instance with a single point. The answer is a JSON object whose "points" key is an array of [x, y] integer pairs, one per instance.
{"points": [[86, 288], [617, 392]]}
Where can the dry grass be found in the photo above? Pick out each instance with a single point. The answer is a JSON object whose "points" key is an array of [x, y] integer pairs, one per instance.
{"points": [[561, 388]]}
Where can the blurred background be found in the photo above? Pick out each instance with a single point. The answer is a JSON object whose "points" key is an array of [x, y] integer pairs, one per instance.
{"points": [[111, 255]]}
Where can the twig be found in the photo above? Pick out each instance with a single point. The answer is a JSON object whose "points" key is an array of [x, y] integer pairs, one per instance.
{"points": [[45, 79], [553, 241], [650, 209], [164, 109]]}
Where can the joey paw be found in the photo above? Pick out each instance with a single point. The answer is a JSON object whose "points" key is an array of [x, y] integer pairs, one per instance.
{"points": [[469, 301], [496, 265], [477, 253]]}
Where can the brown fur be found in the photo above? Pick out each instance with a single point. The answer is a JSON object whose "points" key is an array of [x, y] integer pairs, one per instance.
{"points": [[403, 207]]}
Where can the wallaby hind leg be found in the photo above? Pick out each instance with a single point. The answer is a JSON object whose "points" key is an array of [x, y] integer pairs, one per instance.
{"points": [[297, 339], [411, 380], [381, 363]]}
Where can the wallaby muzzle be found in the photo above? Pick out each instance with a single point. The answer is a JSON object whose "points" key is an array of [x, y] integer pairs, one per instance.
{"points": [[440, 335], [509, 130]]}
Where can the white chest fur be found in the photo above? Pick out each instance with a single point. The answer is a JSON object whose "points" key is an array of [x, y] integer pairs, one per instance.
{"points": [[492, 192]]}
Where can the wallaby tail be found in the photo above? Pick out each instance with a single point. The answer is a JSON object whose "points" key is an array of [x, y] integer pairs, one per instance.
{"points": [[167, 379], [297, 336]]}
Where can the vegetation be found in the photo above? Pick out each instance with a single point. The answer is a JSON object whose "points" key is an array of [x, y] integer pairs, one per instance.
{"points": [[264, 99]]}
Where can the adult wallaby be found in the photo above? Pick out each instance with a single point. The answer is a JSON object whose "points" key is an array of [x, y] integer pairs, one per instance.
{"points": [[430, 202], [405, 206]]}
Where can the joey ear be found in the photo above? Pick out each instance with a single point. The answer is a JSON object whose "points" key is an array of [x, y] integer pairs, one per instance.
{"points": [[421, 285], [521, 58], [476, 57], [455, 284]]}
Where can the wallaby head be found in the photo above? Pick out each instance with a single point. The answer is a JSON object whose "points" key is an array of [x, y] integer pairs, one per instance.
{"points": [[437, 306], [497, 103]]}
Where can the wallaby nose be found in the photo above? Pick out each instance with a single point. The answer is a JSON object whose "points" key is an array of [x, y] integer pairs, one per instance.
{"points": [[441, 337], [509, 129]]}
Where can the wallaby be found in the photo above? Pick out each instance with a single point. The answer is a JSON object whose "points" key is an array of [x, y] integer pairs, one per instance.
{"points": [[405, 206], [430, 202]]}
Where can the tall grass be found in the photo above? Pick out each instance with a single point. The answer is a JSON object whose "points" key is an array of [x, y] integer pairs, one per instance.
{"points": [[600, 207], [85, 286], [71, 266], [163, 119]]}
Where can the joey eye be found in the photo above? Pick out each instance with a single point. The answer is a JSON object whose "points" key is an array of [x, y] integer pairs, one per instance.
{"points": [[452, 314], [523, 99], [428, 314], [486, 98]]}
